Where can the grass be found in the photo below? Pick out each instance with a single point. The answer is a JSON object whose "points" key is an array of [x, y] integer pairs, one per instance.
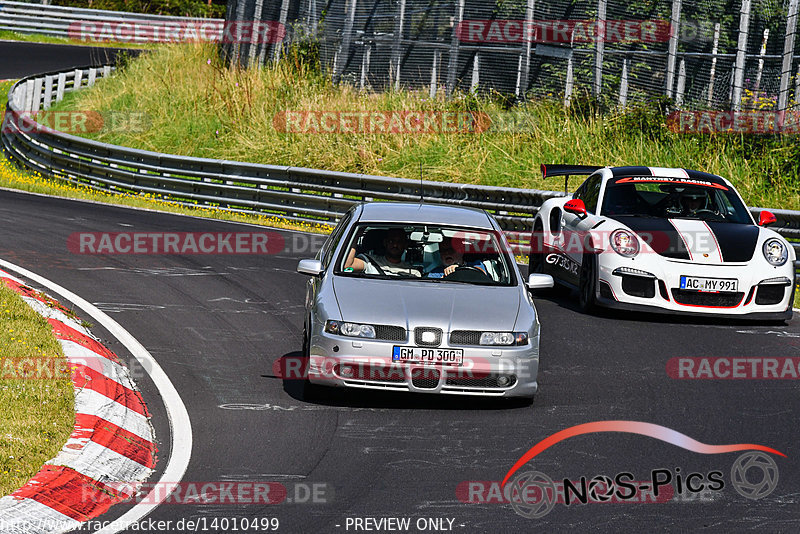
{"points": [[38, 414], [220, 113]]}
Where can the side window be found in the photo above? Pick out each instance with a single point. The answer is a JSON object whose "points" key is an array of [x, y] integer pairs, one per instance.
{"points": [[591, 192], [326, 252]]}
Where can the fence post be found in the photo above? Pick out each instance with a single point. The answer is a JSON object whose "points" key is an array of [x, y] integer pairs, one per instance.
{"points": [[681, 83], [796, 87], [76, 83], [524, 65], [741, 50], [569, 83], [623, 84], [788, 51], [397, 46], [452, 62], [437, 58], [278, 45], [713, 64], [340, 59], [254, 33], [476, 72], [240, 5], [600, 46], [37, 94], [365, 65], [674, 28], [48, 92], [29, 88], [761, 61]]}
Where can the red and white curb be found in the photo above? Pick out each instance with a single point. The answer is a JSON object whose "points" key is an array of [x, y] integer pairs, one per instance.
{"points": [[112, 446]]}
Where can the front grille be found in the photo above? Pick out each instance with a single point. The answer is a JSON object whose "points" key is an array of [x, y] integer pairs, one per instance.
{"points": [[437, 333], [699, 298], [636, 286], [425, 378], [465, 337], [390, 333], [770, 294], [377, 373], [486, 381]]}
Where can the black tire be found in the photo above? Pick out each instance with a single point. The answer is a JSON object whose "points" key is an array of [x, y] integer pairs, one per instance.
{"points": [[536, 255], [587, 288]]}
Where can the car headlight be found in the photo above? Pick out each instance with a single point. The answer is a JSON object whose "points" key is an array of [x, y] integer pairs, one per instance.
{"points": [[341, 328], [775, 252], [504, 338], [624, 243]]}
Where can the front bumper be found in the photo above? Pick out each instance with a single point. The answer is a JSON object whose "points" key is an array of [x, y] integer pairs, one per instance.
{"points": [[763, 292], [341, 361]]}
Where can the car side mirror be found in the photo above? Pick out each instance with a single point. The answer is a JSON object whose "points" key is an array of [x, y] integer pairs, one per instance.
{"points": [[539, 281], [576, 206], [310, 267], [765, 218]]}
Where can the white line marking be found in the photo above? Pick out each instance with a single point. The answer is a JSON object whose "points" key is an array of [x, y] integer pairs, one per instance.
{"points": [[180, 425]]}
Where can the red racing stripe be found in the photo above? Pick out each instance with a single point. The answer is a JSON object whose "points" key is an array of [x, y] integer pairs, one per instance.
{"points": [[65, 490], [115, 438], [68, 333], [84, 377]]}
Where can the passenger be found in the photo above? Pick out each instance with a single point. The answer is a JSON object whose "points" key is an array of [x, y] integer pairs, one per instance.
{"points": [[395, 244], [451, 252]]}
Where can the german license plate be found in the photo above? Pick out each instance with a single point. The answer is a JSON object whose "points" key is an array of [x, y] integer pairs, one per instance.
{"points": [[711, 285], [428, 355]]}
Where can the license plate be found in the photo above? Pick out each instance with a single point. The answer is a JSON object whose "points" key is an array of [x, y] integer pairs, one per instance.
{"points": [[428, 355], [715, 285]]}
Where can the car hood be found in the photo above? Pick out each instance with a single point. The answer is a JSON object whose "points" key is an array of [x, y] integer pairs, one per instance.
{"points": [[449, 306], [698, 241]]}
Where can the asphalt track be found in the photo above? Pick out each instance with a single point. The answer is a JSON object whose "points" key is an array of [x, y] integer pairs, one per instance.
{"points": [[18, 59], [216, 324]]}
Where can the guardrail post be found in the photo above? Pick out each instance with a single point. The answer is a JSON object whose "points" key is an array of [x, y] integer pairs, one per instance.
{"points": [[788, 51], [48, 92], [106, 71], [29, 88], [62, 83], [92, 77], [741, 50], [37, 94], [78, 80], [674, 26]]}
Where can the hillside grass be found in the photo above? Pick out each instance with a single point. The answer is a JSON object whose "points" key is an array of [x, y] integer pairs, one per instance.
{"points": [[197, 107]]}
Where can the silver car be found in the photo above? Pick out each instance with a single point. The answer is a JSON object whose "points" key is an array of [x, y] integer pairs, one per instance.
{"points": [[422, 298]]}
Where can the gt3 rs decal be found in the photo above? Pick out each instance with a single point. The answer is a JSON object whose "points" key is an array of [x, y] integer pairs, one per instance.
{"points": [[564, 262]]}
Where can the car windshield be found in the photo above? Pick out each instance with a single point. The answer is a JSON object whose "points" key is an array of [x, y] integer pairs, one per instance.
{"points": [[673, 198], [436, 254]]}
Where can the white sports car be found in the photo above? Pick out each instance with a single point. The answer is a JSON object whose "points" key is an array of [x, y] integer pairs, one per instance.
{"points": [[667, 240]]}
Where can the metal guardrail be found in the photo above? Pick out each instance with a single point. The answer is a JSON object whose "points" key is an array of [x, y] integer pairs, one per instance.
{"points": [[294, 193], [26, 17]]}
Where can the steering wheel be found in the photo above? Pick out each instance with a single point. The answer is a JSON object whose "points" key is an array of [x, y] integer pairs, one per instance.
{"points": [[371, 261], [467, 273]]}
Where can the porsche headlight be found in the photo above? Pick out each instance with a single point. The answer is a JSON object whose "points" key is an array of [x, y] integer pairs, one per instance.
{"points": [[775, 252], [624, 243], [341, 328], [504, 338]]}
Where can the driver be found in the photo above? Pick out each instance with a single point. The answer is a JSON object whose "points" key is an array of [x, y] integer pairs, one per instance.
{"points": [[451, 251], [395, 243], [692, 201]]}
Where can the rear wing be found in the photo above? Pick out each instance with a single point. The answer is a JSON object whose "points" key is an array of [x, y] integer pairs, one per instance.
{"points": [[549, 170]]}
